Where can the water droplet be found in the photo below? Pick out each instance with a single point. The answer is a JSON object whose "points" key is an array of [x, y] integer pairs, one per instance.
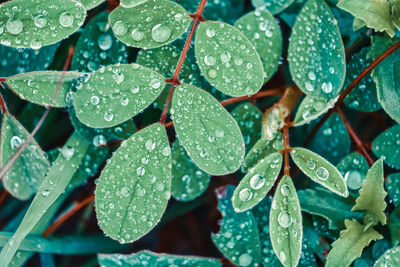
{"points": [[225, 57], [285, 190], [212, 73], [140, 171], [312, 76], [66, 19], [35, 44], [124, 101], [14, 26], [104, 41], [108, 116], [67, 152], [284, 219], [125, 191], [45, 192], [99, 140], [219, 133], [155, 83], [137, 35], [150, 145], [353, 179], [327, 87], [210, 32], [119, 28], [245, 259], [322, 173], [166, 151], [161, 33], [94, 100], [310, 165], [245, 194], [257, 181], [309, 86], [238, 61], [135, 89], [40, 21], [15, 142], [209, 60]]}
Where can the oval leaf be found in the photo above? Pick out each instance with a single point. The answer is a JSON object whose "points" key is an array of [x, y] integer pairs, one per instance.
{"points": [[227, 59], [286, 223], [387, 145], [114, 94], [316, 51], [150, 24], [389, 258], [392, 185], [319, 170], [207, 131], [311, 108], [257, 183], [134, 188], [274, 6], [35, 23]]}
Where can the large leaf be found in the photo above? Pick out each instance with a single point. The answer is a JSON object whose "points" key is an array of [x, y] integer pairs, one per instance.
{"points": [[238, 238], [262, 29], [353, 168], [319, 170], [134, 187], [227, 59], [114, 94], [350, 244], [53, 185], [257, 183], [40, 87], [149, 24], [274, 6], [372, 196], [387, 145], [154, 260], [389, 258], [35, 23], [28, 171], [316, 52], [392, 185], [207, 131], [286, 223]]}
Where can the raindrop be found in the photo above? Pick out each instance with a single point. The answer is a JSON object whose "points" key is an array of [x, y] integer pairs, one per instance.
{"points": [[119, 28], [108, 116], [284, 219], [353, 179], [209, 60], [310, 165], [135, 89], [150, 145], [67, 152], [125, 191], [166, 151], [160, 33], [155, 83], [94, 100], [225, 57], [45, 192], [14, 26], [66, 19], [40, 21], [285, 190], [245, 259], [35, 44], [137, 35], [245, 194], [15, 142], [322, 173], [210, 32], [327, 87], [257, 181], [104, 41], [212, 73], [140, 171], [312, 76], [99, 140], [125, 101], [219, 133]]}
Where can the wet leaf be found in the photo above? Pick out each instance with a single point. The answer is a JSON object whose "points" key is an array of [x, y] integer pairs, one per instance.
{"points": [[149, 24], [207, 131], [27, 173], [389, 258], [263, 31], [238, 238], [36, 23], [387, 145], [316, 52], [286, 228], [115, 93], [319, 170], [89, 4], [392, 185], [353, 168], [394, 226], [311, 108], [274, 6], [350, 244], [257, 183], [227, 59], [149, 258], [188, 181], [134, 187]]}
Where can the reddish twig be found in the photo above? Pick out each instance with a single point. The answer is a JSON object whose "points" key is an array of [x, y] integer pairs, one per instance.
{"points": [[286, 149], [3, 196], [3, 106]]}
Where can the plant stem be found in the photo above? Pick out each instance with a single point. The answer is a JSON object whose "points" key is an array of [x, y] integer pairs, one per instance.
{"points": [[198, 17], [286, 150], [3, 106]]}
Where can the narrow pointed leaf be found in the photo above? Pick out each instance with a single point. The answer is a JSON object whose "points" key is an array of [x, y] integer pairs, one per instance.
{"points": [[114, 94], [389, 258], [311, 108], [387, 145], [316, 51], [392, 185], [27, 173], [207, 131], [227, 59], [285, 224], [134, 187], [257, 183], [149, 24], [36, 23], [319, 170], [274, 6]]}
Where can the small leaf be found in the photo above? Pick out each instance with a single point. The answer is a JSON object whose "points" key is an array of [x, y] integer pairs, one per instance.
{"points": [[311, 108], [40, 87], [36, 23], [389, 258], [114, 94], [350, 244], [353, 168], [149, 24], [319, 170], [372, 196], [134, 187], [207, 131], [262, 30], [274, 6], [316, 51], [89, 4], [387, 145], [188, 181], [394, 226], [27, 173], [286, 223], [238, 238], [257, 183], [392, 185], [227, 59], [154, 259]]}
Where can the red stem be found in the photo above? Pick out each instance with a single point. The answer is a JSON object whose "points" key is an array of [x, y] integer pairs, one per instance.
{"points": [[286, 150], [3, 106]]}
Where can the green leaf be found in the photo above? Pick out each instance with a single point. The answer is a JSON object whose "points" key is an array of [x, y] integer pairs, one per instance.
{"points": [[227, 59], [114, 94], [89, 4], [207, 131], [316, 51], [154, 259], [36, 23], [257, 183], [52, 187], [286, 223], [392, 184], [319, 170], [374, 14], [350, 244], [311, 108], [27, 173], [150, 24], [39, 87], [394, 226], [387, 145], [353, 168], [263, 31], [97, 46], [389, 258], [330, 206], [395, 12], [134, 187], [188, 181], [262, 149], [372, 196], [238, 238], [274, 6]]}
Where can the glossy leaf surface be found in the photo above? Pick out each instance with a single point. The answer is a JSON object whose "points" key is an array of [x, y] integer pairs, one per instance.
{"points": [[387, 145]]}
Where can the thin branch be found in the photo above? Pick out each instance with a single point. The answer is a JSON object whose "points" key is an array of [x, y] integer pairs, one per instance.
{"points": [[286, 150], [3, 106]]}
